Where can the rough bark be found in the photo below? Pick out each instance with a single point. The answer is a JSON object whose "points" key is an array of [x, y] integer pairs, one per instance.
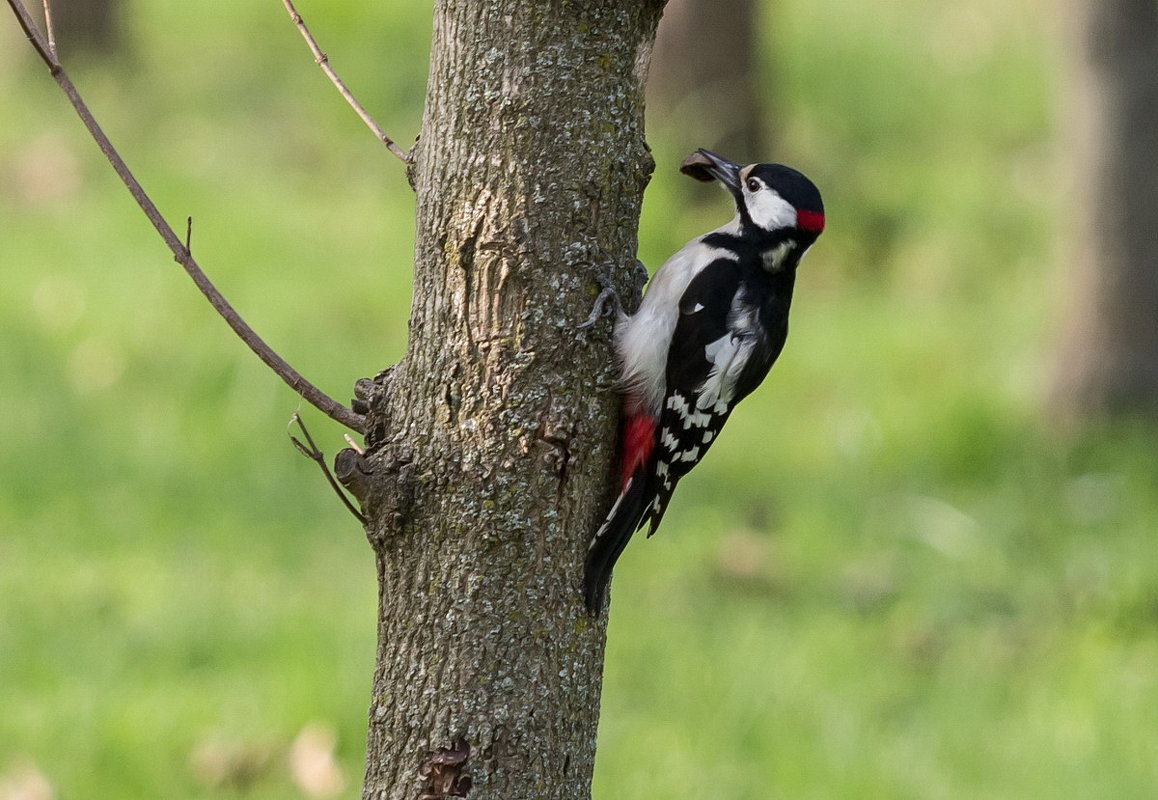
{"points": [[490, 445], [704, 82], [1109, 354]]}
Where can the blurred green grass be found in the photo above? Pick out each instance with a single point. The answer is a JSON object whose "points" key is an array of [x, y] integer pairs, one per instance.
{"points": [[893, 578]]}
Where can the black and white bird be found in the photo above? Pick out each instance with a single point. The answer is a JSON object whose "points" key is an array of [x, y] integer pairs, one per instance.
{"points": [[712, 322]]}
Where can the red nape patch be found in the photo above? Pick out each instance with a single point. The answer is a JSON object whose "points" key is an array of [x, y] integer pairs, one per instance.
{"points": [[810, 221], [638, 442]]}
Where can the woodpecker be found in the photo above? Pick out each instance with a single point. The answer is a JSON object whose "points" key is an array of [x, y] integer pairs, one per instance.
{"points": [[713, 320]]}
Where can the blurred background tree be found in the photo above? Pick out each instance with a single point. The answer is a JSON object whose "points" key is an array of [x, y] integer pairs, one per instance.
{"points": [[1108, 360], [88, 27], [704, 79]]}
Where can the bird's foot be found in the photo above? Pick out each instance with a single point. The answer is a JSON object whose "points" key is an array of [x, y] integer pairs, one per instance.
{"points": [[606, 305], [608, 302]]}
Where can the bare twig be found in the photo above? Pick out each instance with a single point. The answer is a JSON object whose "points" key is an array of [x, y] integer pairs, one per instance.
{"points": [[48, 27], [34, 37], [314, 454], [181, 254], [323, 61]]}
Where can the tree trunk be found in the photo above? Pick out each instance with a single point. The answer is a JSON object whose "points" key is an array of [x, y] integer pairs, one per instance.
{"points": [[1109, 355], [489, 446]]}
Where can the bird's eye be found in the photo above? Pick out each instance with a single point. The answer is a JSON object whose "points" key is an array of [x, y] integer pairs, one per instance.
{"points": [[754, 185]]}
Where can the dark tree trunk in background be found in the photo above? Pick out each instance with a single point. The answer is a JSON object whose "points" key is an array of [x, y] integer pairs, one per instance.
{"points": [[87, 26], [489, 445], [704, 76], [1109, 356]]}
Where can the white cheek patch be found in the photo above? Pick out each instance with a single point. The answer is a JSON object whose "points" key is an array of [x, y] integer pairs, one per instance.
{"points": [[770, 211]]}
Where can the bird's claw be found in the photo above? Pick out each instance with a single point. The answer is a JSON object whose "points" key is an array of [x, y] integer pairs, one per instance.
{"points": [[606, 304]]}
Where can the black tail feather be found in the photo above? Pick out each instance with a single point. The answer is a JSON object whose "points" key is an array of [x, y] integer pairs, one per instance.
{"points": [[622, 521]]}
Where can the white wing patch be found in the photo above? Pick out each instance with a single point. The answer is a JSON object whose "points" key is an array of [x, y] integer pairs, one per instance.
{"points": [[642, 340], [716, 393], [728, 356]]}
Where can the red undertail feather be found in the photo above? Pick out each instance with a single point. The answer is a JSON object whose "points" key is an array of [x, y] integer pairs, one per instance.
{"points": [[638, 442], [635, 494]]}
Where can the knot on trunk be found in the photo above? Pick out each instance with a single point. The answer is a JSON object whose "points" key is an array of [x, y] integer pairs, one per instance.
{"points": [[444, 772]]}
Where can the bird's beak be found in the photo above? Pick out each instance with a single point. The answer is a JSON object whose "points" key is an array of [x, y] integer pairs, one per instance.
{"points": [[704, 165]]}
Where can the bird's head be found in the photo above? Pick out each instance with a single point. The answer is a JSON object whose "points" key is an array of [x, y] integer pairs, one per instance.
{"points": [[775, 203]]}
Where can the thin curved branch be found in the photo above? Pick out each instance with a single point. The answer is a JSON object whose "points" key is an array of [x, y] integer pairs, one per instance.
{"points": [[181, 254], [318, 457], [323, 61]]}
